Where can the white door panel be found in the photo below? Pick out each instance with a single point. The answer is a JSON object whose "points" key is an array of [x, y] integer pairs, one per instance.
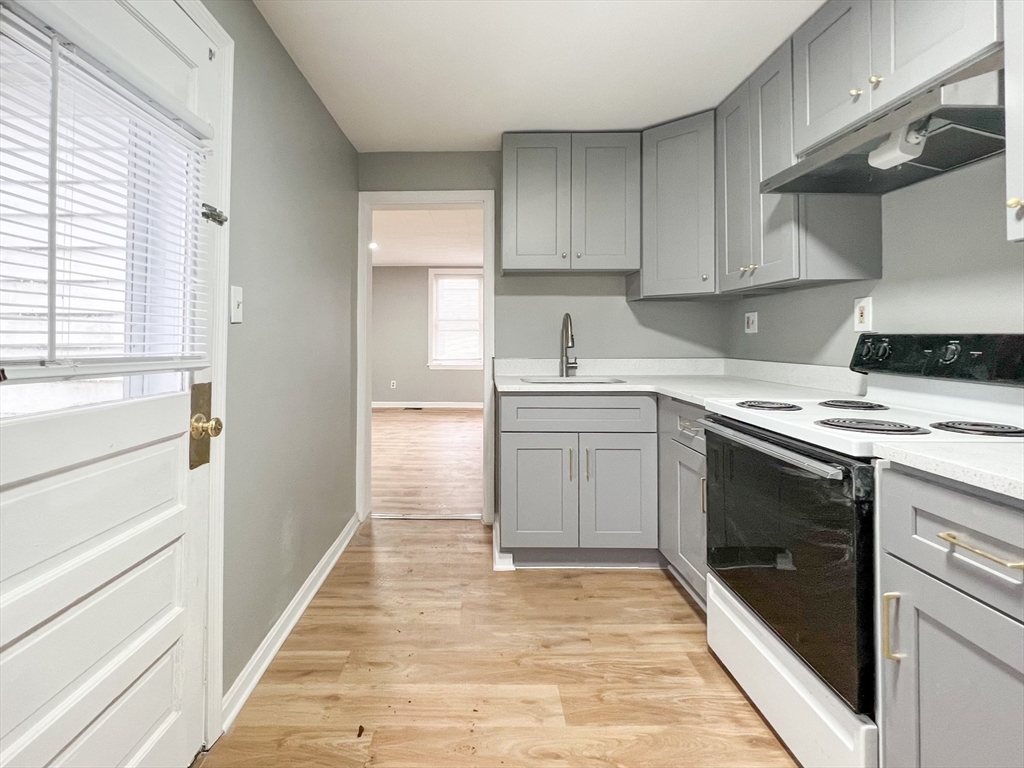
{"points": [[103, 527]]}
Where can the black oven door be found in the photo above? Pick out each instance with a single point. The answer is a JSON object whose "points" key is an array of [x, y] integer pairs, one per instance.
{"points": [[790, 532]]}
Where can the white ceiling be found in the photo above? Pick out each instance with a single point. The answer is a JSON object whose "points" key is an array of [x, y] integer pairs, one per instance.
{"points": [[452, 236], [433, 75]]}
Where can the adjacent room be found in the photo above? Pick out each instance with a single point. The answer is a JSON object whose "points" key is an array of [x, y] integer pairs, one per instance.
{"points": [[427, 331], [512, 383]]}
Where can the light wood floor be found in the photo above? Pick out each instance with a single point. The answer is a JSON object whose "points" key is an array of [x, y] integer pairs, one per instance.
{"points": [[439, 661], [427, 462]]}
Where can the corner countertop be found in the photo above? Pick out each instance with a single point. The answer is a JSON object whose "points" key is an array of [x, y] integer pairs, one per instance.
{"points": [[992, 466], [690, 389]]}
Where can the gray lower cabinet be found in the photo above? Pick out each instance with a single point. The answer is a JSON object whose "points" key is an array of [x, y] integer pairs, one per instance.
{"points": [[619, 490], [915, 43], [831, 67], [539, 489], [606, 201], [954, 693], [682, 528], [679, 207], [1013, 13], [536, 197]]}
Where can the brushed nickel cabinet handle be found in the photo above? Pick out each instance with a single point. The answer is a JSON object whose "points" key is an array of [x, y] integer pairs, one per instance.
{"points": [[570, 463], [588, 463], [1015, 202], [855, 92], [951, 537], [704, 495], [875, 79], [887, 653]]}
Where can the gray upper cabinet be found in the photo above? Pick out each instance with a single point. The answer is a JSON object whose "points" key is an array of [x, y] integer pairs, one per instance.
{"points": [[570, 201], [539, 489], [954, 694], [1013, 12], [733, 190], [914, 43], [774, 239], [536, 201], [831, 67], [682, 523], [619, 491], [606, 201], [679, 207]]}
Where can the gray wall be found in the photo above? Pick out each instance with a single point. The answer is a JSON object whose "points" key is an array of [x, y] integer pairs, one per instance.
{"points": [[291, 414], [947, 268], [401, 301], [528, 308]]}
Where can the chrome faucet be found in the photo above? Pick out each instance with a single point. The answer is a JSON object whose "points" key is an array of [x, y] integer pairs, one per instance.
{"points": [[568, 342]]}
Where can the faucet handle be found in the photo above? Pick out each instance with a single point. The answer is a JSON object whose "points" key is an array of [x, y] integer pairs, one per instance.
{"points": [[572, 364]]}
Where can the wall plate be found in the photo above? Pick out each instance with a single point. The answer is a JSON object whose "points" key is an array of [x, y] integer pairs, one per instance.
{"points": [[862, 315], [750, 322]]}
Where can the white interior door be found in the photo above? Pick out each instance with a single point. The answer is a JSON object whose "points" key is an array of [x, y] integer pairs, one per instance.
{"points": [[103, 525]]}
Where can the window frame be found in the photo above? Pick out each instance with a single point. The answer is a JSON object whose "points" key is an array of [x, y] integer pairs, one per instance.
{"points": [[432, 275]]}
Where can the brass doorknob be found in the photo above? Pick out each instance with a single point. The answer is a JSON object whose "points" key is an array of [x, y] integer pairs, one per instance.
{"points": [[201, 427], [1015, 202]]}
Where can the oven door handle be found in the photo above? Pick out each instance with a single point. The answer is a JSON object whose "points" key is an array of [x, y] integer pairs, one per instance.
{"points": [[820, 468]]}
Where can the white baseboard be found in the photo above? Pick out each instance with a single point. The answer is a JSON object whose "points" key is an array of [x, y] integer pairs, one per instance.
{"points": [[377, 405], [816, 725], [502, 560], [250, 676]]}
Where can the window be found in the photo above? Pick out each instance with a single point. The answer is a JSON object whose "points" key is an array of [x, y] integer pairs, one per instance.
{"points": [[456, 319], [102, 267]]}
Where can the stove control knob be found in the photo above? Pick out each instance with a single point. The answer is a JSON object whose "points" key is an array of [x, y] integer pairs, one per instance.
{"points": [[949, 353], [866, 350], [883, 350]]}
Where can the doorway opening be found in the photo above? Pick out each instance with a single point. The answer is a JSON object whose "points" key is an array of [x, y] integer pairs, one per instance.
{"points": [[425, 339]]}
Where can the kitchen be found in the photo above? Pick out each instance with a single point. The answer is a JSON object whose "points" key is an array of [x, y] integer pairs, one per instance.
{"points": [[768, 350]]}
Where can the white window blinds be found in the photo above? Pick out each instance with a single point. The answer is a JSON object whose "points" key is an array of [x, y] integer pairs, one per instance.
{"points": [[101, 245], [456, 319]]}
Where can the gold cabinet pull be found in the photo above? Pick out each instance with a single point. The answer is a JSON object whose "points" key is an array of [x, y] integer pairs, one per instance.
{"points": [[875, 79], [704, 495], [570, 463], [855, 92], [887, 653], [951, 538], [200, 427], [588, 463], [1015, 202]]}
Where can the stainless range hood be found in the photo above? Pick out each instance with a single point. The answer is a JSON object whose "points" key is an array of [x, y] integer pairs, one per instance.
{"points": [[961, 122]]}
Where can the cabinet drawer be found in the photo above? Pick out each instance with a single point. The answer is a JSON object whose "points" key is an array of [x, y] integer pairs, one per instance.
{"points": [[678, 421], [914, 514], [578, 413]]}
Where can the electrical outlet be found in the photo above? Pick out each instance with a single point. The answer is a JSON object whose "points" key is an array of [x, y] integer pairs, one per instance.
{"points": [[394, 384], [750, 322], [862, 315]]}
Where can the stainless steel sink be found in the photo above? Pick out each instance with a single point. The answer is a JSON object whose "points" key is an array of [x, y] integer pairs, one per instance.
{"points": [[571, 380]]}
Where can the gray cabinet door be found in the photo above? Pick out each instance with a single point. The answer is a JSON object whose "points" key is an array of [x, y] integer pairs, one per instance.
{"points": [[1013, 12], [915, 43], [682, 528], [606, 201], [957, 695], [539, 489], [831, 67], [536, 201], [733, 190], [619, 491], [679, 207], [775, 245]]}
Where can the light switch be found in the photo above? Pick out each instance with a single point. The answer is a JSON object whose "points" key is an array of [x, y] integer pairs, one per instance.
{"points": [[236, 303], [750, 322]]}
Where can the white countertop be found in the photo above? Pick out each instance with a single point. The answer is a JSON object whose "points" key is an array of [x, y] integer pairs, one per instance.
{"points": [[992, 466], [690, 389]]}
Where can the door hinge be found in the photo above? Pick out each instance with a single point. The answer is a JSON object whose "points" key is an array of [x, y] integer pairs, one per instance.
{"points": [[212, 214]]}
